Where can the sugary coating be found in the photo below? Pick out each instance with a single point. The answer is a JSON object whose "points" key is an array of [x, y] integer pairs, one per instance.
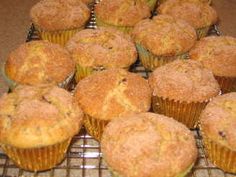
{"points": [[112, 93], [184, 80], [218, 54], [38, 116], [52, 15], [148, 144], [218, 120], [196, 13], [39, 62], [164, 35], [102, 47]]}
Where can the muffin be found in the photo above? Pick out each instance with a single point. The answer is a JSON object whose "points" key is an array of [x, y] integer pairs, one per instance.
{"points": [[109, 94], [219, 55], [39, 62], [182, 89], [99, 49], [200, 15], [218, 125], [37, 125], [121, 14], [58, 20], [148, 144], [162, 40]]}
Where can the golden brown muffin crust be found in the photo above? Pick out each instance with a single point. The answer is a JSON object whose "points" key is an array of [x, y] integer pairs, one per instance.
{"points": [[184, 80], [122, 12], [218, 120], [39, 62], [38, 116], [164, 35], [148, 144], [102, 47], [196, 13], [113, 92], [52, 15], [217, 54]]}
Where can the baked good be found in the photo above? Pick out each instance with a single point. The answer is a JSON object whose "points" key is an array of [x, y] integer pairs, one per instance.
{"points": [[163, 39], [37, 124], [148, 144], [58, 20], [181, 90], [218, 54], [121, 14], [200, 15], [39, 62], [98, 49], [109, 94], [218, 125]]}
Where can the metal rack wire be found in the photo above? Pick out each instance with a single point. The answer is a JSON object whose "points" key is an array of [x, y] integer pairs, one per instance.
{"points": [[84, 158]]}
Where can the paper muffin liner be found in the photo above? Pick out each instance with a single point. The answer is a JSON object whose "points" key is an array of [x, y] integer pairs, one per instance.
{"points": [[124, 29], [59, 37], [220, 155], [151, 61], [37, 159], [11, 84], [185, 112], [227, 84], [82, 72], [95, 127], [202, 32], [182, 174], [152, 4]]}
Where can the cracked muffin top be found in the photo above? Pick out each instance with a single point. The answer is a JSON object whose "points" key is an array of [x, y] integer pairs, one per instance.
{"points": [[39, 62], [52, 15], [102, 47], [113, 92], [218, 120], [122, 12], [217, 54], [196, 13], [155, 145], [164, 35], [184, 80], [38, 116]]}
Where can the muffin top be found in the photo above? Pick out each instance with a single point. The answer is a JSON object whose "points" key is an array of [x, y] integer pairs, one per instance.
{"points": [[102, 47], [196, 13], [122, 12], [164, 35], [184, 80], [38, 116], [155, 145], [217, 54], [39, 62], [218, 120], [59, 14], [113, 92]]}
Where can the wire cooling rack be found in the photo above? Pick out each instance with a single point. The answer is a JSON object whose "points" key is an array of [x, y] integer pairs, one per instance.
{"points": [[84, 157]]}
